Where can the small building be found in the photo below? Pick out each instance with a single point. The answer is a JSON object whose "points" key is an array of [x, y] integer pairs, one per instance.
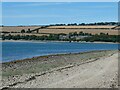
{"points": [[62, 37]]}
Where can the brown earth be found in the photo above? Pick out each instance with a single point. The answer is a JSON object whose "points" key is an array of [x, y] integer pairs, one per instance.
{"points": [[67, 31], [83, 27], [63, 29]]}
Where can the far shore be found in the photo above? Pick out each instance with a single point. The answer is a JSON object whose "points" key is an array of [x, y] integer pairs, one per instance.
{"points": [[39, 41]]}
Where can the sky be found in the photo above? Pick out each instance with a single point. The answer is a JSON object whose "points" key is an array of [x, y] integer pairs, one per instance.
{"points": [[45, 13]]}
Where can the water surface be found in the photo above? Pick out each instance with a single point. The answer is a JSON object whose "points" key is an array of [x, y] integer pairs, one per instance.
{"points": [[21, 50]]}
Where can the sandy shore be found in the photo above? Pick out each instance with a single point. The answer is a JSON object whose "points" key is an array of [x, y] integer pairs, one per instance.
{"points": [[97, 69], [36, 41]]}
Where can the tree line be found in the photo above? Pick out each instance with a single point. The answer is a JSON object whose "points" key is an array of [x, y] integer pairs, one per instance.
{"points": [[84, 24], [76, 24], [88, 37]]}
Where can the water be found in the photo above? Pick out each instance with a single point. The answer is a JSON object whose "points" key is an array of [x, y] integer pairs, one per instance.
{"points": [[21, 50]]}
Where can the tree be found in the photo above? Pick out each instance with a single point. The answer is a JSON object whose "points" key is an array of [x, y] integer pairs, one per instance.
{"points": [[22, 31], [81, 33], [82, 24], [75, 34], [28, 31]]}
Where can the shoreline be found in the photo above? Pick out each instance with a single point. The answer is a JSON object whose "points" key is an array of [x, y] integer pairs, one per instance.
{"points": [[52, 55], [28, 70], [36, 41]]}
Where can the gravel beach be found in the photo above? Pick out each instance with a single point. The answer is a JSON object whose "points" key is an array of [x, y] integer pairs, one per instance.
{"points": [[95, 69]]}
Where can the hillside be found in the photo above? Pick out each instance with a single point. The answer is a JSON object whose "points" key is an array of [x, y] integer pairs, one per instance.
{"points": [[93, 29], [82, 27], [16, 28]]}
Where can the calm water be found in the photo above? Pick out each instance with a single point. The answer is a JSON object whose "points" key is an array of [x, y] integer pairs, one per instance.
{"points": [[20, 50]]}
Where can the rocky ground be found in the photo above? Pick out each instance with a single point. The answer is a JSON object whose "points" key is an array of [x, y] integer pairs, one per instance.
{"points": [[97, 69]]}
